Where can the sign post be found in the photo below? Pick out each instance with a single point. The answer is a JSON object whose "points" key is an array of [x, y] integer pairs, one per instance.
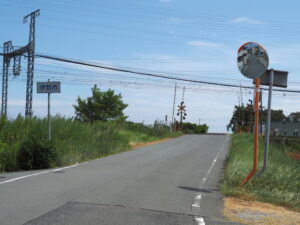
{"points": [[271, 78], [267, 135], [48, 87], [253, 62]]}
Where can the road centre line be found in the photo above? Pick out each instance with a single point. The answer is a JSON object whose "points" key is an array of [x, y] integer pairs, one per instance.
{"points": [[36, 174]]}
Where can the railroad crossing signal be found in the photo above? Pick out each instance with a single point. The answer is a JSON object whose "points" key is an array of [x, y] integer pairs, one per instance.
{"points": [[181, 111]]}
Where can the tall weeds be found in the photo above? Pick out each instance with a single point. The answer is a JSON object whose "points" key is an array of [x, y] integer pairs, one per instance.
{"points": [[24, 142], [280, 184]]}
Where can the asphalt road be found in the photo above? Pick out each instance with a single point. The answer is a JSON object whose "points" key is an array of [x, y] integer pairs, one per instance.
{"points": [[174, 182]]}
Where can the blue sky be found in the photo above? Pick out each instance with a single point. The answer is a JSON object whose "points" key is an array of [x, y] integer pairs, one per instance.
{"points": [[181, 38]]}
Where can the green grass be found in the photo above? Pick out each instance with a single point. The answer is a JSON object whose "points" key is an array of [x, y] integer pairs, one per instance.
{"points": [[279, 185], [24, 143]]}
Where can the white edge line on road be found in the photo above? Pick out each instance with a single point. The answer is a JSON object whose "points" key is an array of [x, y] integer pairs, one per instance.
{"points": [[204, 179], [200, 220], [35, 174]]}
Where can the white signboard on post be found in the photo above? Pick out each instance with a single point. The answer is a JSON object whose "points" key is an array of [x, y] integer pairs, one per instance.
{"points": [[48, 87]]}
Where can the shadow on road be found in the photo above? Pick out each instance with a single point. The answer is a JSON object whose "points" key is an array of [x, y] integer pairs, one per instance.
{"points": [[197, 189]]}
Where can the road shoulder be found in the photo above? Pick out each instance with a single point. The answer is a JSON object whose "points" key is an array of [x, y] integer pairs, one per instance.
{"points": [[212, 204]]}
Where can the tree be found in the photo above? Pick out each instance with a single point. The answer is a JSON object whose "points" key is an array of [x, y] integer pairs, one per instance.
{"points": [[277, 115], [294, 117], [192, 128], [242, 119], [102, 105]]}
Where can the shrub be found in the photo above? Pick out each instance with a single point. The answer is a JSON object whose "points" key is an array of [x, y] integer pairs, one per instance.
{"points": [[192, 128], [36, 152]]}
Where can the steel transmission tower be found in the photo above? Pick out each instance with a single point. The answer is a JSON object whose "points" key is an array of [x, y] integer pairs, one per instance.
{"points": [[30, 63], [11, 53]]}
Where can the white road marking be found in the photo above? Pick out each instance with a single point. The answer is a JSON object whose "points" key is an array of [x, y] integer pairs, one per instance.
{"points": [[35, 174], [212, 165], [199, 220], [199, 197]]}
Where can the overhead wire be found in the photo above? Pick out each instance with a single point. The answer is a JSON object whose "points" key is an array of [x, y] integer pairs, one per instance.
{"points": [[157, 75]]}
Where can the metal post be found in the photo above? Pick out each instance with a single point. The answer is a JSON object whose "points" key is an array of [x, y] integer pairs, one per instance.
{"points": [[267, 135], [49, 116], [255, 153]]}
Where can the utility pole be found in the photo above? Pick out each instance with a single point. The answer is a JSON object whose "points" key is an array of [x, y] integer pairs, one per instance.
{"points": [[241, 94], [172, 122], [11, 53], [261, 112], [183, 93], [49, 116]]}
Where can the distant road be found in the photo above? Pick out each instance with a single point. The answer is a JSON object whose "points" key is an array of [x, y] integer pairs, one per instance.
{"points": [[170, 183]]}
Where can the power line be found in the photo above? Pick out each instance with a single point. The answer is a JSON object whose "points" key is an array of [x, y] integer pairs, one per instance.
{"points": [[157, 75]]}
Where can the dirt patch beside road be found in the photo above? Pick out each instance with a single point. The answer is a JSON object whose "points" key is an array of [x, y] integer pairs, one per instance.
{"points": [[134, 145], [258, 213]]}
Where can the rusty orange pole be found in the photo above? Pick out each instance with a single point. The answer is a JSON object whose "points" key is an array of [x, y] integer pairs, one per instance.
{"points": [[256, 112]]}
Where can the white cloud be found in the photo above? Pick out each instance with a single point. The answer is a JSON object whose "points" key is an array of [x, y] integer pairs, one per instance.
{"points": [[246, 20], [204, 44]]}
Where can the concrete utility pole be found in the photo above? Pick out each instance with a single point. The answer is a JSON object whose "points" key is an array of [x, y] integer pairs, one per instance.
{"points": [[241, 94], [172, 122], [49, 116], [183, 91], [11, 53], [261, 113]]}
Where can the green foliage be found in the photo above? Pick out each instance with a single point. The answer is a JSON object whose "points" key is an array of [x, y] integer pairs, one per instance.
{"points": [[192, 128], [276, 115], [24, 142], [294, 117], [102, 105], [242, 119], [36, 152], [279, 184]]}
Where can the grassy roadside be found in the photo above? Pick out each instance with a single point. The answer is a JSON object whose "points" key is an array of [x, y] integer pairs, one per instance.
{"points": [[279, 185], [24, 144]]}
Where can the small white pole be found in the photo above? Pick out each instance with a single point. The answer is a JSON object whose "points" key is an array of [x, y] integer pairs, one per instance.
{"points": [[49, 116]]}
